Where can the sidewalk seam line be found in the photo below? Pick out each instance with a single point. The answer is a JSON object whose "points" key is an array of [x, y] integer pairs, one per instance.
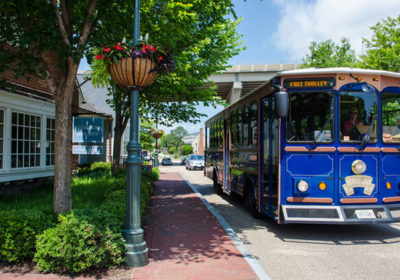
{"points": [[251, 260]]}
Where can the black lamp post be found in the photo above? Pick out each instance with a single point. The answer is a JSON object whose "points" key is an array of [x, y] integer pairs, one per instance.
{"points": [[136, 254]]}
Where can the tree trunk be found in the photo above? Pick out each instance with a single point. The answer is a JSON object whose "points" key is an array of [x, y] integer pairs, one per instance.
{"points": [[62, 198], [116, 149]]}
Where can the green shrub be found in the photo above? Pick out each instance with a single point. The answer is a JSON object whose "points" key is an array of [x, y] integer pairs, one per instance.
{"points": [[100, 165], [88, 237], [18, 231], [75, 245], [156, 174]]}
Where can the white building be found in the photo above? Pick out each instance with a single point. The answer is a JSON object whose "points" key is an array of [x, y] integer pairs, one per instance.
{"points": [[196, 140]]}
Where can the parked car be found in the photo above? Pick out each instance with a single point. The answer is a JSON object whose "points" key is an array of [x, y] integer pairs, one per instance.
{"points": [[166, 161], [195, 162], [183, 161]]}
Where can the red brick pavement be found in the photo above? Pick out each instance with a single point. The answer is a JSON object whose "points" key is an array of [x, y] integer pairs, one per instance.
{"points": [[185, 240]]}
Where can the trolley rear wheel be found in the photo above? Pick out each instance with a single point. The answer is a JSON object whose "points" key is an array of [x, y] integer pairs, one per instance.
{"points": [[217, 187]]}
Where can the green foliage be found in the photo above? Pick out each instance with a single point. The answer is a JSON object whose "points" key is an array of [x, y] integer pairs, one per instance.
{"points": [[155, 174], [171, 150], [147, 141], [89, 237], [174, 139], [18, 231], [100, 165], [179, 132], [204, 40], [328, 54], [39, 198], [383, 48], [187, 149], [74, 245]]}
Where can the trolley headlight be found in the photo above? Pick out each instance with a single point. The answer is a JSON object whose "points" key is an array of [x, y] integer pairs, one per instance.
{"points": [[358, 166], [302, 186]]}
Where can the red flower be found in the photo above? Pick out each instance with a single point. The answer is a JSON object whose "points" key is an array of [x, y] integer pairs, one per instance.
{"points": [[145, 47], [109, 59], [100, 56], [160, 58], [87, 229], [107, 50], [119, 48], [152, 48]]}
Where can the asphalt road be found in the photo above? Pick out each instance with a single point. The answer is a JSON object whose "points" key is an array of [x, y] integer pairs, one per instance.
{"points": [[300, 251]]}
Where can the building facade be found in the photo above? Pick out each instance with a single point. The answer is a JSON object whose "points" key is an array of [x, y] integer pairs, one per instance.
{"points": [[27, 115]]}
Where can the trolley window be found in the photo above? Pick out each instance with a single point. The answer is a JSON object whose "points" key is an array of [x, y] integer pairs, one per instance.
{"points": [[311, 115], [390, 117]]}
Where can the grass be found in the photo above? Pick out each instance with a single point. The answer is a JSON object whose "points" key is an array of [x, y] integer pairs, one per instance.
{"points": [[87, 192]]}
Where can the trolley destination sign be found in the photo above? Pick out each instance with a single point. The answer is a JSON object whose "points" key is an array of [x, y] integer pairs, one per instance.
{"points": [[309, 83]]}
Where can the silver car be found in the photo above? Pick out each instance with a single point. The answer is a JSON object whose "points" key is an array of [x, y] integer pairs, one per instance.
{"points": [[195, 162]]}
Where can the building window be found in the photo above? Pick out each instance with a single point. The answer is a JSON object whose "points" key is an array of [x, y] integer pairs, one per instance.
{"points": [[1, 137], [25, 140], [50, 142]]}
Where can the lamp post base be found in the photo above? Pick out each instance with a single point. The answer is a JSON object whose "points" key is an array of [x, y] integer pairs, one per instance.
{"points": [[136, 249]]}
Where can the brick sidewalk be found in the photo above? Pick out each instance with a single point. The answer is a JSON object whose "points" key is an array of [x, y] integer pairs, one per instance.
{"points": [[185, 240]]}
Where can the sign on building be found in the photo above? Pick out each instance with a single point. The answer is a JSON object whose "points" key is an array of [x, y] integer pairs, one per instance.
{"points": [[88, 130]]}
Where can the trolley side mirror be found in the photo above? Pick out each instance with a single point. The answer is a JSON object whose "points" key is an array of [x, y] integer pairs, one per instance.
{"points": [[282, 104]]}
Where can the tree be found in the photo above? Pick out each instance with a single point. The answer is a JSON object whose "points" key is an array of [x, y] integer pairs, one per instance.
{"points": [[204, 40], [383, 48], [328, 54], [171, 150], [170, 140], [49, 38], [179, 132], [187, 149]]}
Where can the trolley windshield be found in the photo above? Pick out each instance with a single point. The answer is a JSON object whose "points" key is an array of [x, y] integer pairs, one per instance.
{"points": [[311, 117]]}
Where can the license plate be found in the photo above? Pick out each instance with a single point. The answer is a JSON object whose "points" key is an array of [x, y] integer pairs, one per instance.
{"points": [[365, 214]]}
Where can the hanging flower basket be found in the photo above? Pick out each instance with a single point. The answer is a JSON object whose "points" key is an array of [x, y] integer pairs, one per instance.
{"points": [[133, 67], [144, 72], [157, 133]]}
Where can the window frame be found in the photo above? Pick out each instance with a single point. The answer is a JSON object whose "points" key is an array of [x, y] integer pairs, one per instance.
{"points": [[17, 143], [2, 132], [50, 149], [333, 120], [339, 120], [393, 93]]}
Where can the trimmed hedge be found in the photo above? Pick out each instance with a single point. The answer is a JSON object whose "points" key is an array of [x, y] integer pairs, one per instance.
{"points": [[18, 231], [81, 239], [75, 244]]}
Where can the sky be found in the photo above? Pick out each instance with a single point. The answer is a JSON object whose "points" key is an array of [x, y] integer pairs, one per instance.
{"points": [[280, 31]]}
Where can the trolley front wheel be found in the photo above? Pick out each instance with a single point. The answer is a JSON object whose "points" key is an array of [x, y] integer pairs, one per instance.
{"points": [[250, 202]]}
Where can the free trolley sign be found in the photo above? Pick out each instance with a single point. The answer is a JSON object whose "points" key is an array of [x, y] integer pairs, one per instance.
{"points": [[309, 83]]}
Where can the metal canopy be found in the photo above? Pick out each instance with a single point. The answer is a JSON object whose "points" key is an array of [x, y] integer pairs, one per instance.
{"points": [[239, 80]]}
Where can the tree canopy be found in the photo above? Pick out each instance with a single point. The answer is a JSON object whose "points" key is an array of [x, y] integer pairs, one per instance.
{"points": [[383, 48], [329, 54]]}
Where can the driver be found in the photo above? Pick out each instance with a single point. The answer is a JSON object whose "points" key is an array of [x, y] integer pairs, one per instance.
{"points": [[350, 125]]}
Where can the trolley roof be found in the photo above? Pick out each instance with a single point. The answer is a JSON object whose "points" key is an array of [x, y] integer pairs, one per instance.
{"points": [[345, 70]]}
